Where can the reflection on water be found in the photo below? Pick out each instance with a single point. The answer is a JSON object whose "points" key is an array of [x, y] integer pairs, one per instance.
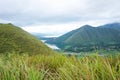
{"points": [[43, 40], [53, 46]]}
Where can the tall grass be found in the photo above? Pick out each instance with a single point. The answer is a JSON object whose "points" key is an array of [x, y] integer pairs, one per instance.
{"points": [[59, 67]]}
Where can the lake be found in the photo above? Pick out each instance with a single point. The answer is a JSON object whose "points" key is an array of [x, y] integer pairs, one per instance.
{"points": [[53, 46]]}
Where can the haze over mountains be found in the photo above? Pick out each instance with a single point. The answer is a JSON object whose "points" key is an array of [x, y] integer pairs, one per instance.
{"points": [[14, 39], [88, 38]]}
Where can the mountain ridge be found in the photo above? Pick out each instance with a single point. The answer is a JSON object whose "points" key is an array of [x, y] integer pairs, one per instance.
{"points": [[87, 36]]}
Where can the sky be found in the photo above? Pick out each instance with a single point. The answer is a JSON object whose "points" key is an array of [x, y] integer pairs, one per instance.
{"points": [[56, 17]]}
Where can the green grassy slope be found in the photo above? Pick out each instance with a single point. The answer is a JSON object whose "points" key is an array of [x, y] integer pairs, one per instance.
{"points": [[13, 38]]}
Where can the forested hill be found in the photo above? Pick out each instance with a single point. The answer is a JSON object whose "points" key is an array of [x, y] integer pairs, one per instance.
{"points": [[88, 38]]}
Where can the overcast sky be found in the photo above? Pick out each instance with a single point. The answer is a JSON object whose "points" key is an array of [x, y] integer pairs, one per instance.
{"points": [[58, 16]]}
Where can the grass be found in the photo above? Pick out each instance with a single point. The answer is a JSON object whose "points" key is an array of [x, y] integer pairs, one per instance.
{"points": [[59, 67], [13, 38]]}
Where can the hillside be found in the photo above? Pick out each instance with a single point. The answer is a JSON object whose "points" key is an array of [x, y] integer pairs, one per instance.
{"points": [[88, 38], [13, 38]]}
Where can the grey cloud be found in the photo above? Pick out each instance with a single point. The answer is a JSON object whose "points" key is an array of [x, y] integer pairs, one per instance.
{"points": [[27, 12]]}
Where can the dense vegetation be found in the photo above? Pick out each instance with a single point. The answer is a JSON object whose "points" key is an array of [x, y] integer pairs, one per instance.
{"points": [[59, 67], [88, 38], [13, 38]]}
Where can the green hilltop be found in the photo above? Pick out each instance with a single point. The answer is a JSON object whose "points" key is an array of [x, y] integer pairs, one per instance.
{"points": [[14, 39], [88, 38]]}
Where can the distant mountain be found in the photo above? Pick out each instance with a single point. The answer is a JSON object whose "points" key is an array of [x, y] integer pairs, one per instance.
{"points": [[14, 39], [39, 35], [112, 25], [87, 38]]}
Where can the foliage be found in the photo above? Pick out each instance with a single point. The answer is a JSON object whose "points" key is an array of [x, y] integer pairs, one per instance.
{"points": [[59, 67]]}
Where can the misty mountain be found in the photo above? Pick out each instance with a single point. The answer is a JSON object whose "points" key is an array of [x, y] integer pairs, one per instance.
{"points": [[87, 38], [112, 25]]}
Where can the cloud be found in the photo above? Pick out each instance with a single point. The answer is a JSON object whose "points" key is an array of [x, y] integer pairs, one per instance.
{"points": [[38, 10], [59, 13], [60, 29]]}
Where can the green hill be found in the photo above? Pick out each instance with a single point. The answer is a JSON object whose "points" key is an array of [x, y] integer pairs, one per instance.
{"points": [[88, 38], [13, 38]]}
